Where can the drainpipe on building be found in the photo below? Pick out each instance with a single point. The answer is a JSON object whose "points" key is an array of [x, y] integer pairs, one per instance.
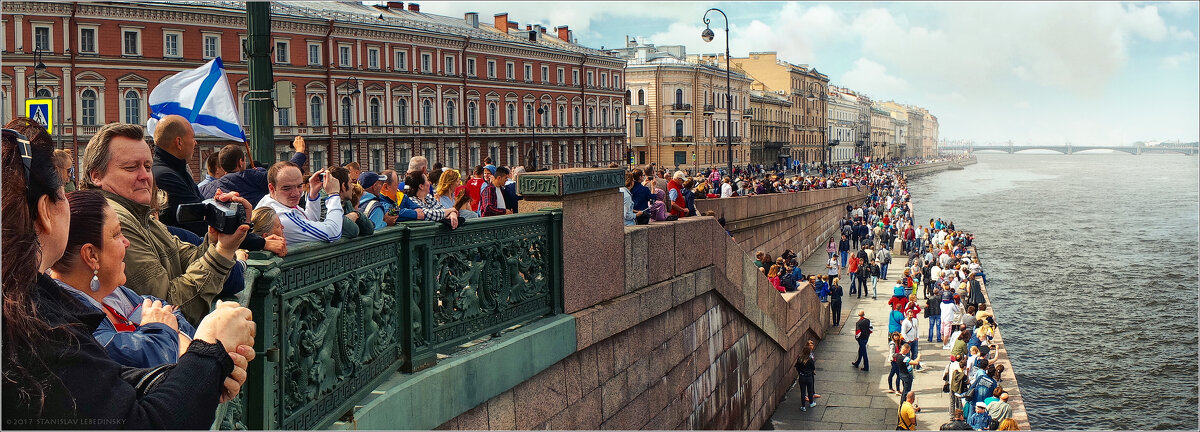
{"points": [[462, 98], [329, 97], [583, 106]]}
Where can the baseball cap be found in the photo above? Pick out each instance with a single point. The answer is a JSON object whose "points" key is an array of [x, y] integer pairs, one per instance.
{"points": [[981, 405], [368, 179]]}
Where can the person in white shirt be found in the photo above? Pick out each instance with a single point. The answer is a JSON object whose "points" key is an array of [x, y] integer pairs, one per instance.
{"points": [[908, 330], [726, 188], [285, 183]]}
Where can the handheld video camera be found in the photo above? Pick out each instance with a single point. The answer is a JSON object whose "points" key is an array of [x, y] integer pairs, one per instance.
{"points": [[225, 217]]}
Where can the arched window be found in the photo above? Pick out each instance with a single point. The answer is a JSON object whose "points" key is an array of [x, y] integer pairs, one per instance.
{"points": [[427, 113], [529, 115], [546, 116], [374, 111], [603, 117], [133, 107], [627, 97], [472, 114], [512, 115], [87, 106], [678, 128], [346, 110], [591, 117], [402, 112], [641, 97], [678, 96], [314, 110], [450, 120], [618, 119], [492, 121], [562, 116], [43, 93], [246, 109], [576, 124]]}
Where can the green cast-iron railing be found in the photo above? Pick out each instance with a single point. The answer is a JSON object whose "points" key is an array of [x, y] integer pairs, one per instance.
{"points": [[336, 320]]}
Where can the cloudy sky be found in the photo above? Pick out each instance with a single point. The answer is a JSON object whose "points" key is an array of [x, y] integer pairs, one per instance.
{"points": [[1098, 73]]}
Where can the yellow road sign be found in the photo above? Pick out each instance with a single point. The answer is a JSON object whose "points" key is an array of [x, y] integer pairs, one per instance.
{"points": [[41, 111]]}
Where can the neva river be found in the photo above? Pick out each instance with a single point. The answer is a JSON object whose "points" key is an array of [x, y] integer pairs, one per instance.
{"points": [[1092, 264]]}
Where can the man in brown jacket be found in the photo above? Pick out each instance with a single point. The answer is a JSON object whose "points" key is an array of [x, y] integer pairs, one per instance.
{"points": [[157, 263]]}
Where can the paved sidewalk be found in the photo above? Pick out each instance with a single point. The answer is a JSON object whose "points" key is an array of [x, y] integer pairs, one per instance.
{"points": [[855, 400]]}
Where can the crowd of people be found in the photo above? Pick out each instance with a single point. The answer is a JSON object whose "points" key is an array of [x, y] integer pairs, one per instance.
{"points": [[111, 311]]}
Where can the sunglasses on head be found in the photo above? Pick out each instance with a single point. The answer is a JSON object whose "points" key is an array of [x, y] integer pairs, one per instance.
{"points": [[26, 150]]}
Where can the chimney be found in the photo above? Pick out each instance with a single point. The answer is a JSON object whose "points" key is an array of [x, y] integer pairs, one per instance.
{"points": [[395, 5], [501, 22], [413, 7], [512, 25], [528, 27], [541, 29], [563, 33], [472, 19]]}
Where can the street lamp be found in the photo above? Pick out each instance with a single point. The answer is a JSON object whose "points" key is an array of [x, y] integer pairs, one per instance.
{"points": [[707, 35], [637, 115], [532, 155], [351, 91], [38, 67]]}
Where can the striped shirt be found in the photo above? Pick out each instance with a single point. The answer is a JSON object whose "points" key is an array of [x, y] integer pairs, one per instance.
{"points": [[304, 224]]}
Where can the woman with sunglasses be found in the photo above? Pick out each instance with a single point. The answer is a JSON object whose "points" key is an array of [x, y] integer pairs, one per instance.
{"points": [[55, 373]]}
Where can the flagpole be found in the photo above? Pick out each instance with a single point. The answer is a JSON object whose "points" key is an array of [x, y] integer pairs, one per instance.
{"points": [[258, 41]]}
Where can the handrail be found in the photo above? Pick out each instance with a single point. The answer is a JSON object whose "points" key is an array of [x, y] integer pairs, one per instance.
{"points": [[335, 320]]}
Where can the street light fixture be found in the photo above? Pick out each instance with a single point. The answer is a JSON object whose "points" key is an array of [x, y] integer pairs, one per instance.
{"points": [[532, 155], [351, 91], [707, 35], [38, 67]]}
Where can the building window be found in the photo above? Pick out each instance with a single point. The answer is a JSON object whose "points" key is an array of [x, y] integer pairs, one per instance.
{"points": [[426, 63], [344, 56], [314, 111], [562, 116], [427, 113], [617, 80], [401, 61], [471, 67], [678, 128], [546, 74], [512, 115], [528, 115], [472, 114], [246, 109], [491, 69], [576, 118], [641, 97], [449, 69], [284, 116], [374, 104], [591, 120], [87, 40], [574, 77], [678, 96], [450, 120], [373, 58], [474, 155], [402, 112], [431, 154], [545, 116], [41, 38], [451, 156], [512, 155], [492, 121], [133, 107], [281, 52], [132, 45], [212, 46], [346, 113], [638, 130], [494, 153], [314, 54], [87, 108], [171, 44], [508, 71], [604, 79], [591, 76], [560, 77], [603, 117]]}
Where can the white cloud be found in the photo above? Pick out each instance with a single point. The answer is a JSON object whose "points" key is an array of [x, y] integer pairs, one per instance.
{"points": [[873, 79], [1179, 8], [1175, 61]]}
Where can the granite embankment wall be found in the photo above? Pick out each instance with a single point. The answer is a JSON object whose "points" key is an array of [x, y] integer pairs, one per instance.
{"points": [[1009, 379], [689, 335]]}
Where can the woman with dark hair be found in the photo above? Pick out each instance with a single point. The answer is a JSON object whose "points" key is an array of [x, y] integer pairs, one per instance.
{"points": [[419, 195], [55, 373], [139, 331], [806, 367]]}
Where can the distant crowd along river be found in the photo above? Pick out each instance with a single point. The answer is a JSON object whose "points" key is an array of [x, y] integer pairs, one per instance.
{"points": [[1091, 261]]}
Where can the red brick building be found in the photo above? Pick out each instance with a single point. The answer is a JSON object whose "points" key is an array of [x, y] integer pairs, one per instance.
{"points": [[399, 81]]}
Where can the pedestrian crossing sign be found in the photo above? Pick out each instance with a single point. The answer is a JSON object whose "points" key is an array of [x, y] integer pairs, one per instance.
{"points": [[41, 111]]}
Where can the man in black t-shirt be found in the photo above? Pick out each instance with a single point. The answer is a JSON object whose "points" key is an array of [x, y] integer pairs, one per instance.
{"points": [[862, 332]]}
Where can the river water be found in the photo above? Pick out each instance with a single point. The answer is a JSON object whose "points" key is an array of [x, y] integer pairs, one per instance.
{"points": [[1092, 266]]}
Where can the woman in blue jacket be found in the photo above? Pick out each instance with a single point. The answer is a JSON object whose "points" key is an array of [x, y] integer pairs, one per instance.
{"points": [[140, 331]]}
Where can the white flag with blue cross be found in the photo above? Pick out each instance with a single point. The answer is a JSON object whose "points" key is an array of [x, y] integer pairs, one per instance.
{"points": [[202, 96]]}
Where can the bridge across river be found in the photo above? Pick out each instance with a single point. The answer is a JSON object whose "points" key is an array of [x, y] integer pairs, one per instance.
{"points": [[1186, 149]]}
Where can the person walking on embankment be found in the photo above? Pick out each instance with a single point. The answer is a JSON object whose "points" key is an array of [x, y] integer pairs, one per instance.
{"points": [[862, 333], [806, 369]]}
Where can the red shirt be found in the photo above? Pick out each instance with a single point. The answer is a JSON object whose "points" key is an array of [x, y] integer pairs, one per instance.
{"points": [[679, 201], [474, 187]]}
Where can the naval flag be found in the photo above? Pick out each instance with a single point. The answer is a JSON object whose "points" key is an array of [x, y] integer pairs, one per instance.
{"points": [[202, 96]]}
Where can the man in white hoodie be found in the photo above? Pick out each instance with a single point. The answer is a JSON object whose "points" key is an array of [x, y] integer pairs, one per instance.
{"points": [[286, 185]]}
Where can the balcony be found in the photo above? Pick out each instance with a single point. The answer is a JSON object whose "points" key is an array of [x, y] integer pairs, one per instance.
{"points": [[680, 108], [88, 129], [681, 139], [710, 108]]}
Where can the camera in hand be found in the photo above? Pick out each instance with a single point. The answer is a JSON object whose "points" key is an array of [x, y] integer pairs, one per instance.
{"points": [[225, 217]]}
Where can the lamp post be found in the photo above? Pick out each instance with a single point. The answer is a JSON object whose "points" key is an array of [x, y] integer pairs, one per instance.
{"points": [[532, 155], [38, 67], [351, 91], [637, 115], [707, 35]]}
